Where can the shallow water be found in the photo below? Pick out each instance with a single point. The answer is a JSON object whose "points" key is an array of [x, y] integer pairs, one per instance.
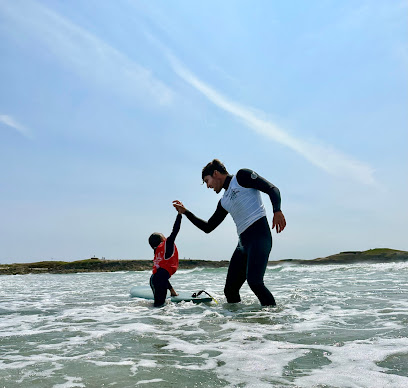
{"points": [[334, 326]]}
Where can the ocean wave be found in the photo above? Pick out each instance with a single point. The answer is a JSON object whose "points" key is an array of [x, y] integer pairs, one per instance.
{"points": [[332, 326]]}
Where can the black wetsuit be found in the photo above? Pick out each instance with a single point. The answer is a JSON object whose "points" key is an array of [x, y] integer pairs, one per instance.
{"points": [[159, 281], [250, 258]]}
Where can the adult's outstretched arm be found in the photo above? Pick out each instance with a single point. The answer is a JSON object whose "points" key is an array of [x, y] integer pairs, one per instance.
{"points": [[206, 226]]}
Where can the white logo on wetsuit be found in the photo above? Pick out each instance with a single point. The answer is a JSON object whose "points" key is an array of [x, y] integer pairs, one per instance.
{"points": [[254, 175]]}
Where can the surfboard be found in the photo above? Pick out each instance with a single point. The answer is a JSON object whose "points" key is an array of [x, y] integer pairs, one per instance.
{"points": [[145, 292]]}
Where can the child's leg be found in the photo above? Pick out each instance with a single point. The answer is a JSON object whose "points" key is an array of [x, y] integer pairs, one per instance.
{"points": [[158, 283]]}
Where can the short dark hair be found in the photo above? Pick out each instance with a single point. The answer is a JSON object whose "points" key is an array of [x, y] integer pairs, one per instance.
{"points": [[212, 166], [155, 240]]}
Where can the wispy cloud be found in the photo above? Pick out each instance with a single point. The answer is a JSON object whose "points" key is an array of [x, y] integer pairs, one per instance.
{"points": [[322, 156], [12, 123], [83, 52]]}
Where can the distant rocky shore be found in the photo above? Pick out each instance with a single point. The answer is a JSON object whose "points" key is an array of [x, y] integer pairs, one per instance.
{"points": [[379, 255], [98, 265]]}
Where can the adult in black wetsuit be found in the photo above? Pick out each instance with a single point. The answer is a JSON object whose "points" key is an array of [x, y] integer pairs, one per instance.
{"points": [[242, 199]]}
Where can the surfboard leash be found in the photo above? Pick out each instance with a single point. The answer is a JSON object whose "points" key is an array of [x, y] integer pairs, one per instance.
{"points": [[196, 294]]}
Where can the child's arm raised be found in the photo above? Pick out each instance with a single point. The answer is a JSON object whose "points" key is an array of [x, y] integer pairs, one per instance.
{"points": [[170, 240]]}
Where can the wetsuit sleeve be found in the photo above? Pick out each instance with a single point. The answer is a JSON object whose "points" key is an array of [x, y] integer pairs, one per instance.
{"points": [[170, 240], [208, 226], [250, 179]]}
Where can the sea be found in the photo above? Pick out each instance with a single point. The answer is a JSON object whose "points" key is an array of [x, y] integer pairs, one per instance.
{"points": [[333, 326]]}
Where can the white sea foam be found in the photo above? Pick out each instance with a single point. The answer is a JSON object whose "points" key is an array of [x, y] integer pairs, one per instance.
{"points": [[190, 271], [373, 267], [71, 382], [149, 381], [354, 365]]}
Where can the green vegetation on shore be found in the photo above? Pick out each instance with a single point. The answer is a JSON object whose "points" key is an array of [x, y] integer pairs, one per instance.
{"points": [[96, 265]]}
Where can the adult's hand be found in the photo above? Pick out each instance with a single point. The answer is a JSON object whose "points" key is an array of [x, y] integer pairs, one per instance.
{"points": [[278, 221], [179, 207]]}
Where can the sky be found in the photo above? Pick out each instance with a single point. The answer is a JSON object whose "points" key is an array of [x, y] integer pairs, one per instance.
{"points": [[110, 110]]}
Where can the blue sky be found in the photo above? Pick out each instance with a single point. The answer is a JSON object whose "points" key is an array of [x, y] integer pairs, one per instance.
{"points": [[109, 111]]}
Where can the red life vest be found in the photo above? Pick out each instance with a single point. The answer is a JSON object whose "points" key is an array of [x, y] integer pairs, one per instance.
{"points": [[170, 264]]}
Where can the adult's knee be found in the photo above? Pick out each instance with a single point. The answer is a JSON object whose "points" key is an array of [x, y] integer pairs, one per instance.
{"points": [[264, 295], [257, 286], [255, 280]]}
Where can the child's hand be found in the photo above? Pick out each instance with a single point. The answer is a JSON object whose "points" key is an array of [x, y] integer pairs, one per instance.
{"points": [[179, 207]]}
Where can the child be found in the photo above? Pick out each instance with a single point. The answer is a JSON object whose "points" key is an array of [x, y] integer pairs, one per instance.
{"points": [[165, 263]]}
